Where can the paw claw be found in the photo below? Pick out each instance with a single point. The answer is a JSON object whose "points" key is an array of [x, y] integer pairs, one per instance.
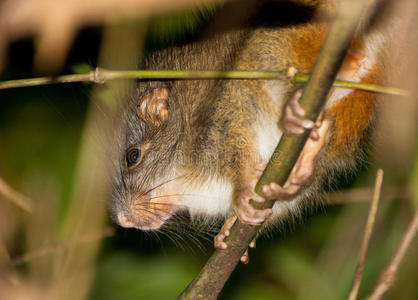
{"points": [[245, 258], [219, 243]]}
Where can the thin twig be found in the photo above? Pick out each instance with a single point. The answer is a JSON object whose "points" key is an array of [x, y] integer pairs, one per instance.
{"points": [[364, 194], [387, 278], [14, 196], [371, 87], [100, 75], [54, 248], [366, 238]]}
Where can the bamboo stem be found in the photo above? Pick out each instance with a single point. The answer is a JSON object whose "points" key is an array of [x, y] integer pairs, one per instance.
{"points": [[101, 75]]}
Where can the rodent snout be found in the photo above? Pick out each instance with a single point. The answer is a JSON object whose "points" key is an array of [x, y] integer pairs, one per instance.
{"points": [[146, 214], [147, 221]]}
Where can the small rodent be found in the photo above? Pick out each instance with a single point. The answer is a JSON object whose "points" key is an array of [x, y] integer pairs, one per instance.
{"points": [[200, 145]]}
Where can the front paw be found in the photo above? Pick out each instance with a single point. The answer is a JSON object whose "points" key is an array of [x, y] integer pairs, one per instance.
{"points": [[303, 171], [292, 121], [246, 212]]}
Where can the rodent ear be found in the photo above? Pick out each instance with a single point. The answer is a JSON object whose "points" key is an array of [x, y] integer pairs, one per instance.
{"points": [[153, 105]]}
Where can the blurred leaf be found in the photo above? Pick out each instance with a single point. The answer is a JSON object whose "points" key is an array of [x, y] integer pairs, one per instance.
{"points": [[172, 28], [126, 276], [260, 291]]}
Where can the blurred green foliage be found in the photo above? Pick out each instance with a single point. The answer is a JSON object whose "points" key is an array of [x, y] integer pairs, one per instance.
{"points": [[177, 28], [128, 275]]}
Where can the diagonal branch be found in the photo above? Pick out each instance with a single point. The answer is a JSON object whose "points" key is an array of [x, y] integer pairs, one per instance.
{"points": [[211, 279]]}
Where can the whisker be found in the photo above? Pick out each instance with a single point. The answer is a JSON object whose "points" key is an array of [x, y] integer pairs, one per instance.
{"points": [[163, 183], [195, 241], [183, 238], [156, 237], [173, 240], [208, 238], [161, 204]]}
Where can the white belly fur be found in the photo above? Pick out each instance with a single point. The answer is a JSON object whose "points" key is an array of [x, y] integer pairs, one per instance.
{"points": [[211, 198]]}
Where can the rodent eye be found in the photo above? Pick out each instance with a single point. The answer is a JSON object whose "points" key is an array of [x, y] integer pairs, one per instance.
{"points": [[133, 157]]}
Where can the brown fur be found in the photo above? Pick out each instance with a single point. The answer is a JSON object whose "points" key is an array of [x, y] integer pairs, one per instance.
{"points": [[352, 116], [207, 131]]}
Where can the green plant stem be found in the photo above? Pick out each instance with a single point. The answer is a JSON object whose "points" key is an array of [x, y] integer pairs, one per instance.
{"points": [[371, 87], [101, 75]]}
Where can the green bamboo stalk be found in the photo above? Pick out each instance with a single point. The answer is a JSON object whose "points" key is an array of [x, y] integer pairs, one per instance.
{"points": [[370, 87], [101, 75]]}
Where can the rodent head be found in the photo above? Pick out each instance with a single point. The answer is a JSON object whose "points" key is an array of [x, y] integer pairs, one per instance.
{"points": [[143, 194]]}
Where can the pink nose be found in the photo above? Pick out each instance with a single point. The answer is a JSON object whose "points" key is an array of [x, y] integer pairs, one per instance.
{"points": [[125, 222]]}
